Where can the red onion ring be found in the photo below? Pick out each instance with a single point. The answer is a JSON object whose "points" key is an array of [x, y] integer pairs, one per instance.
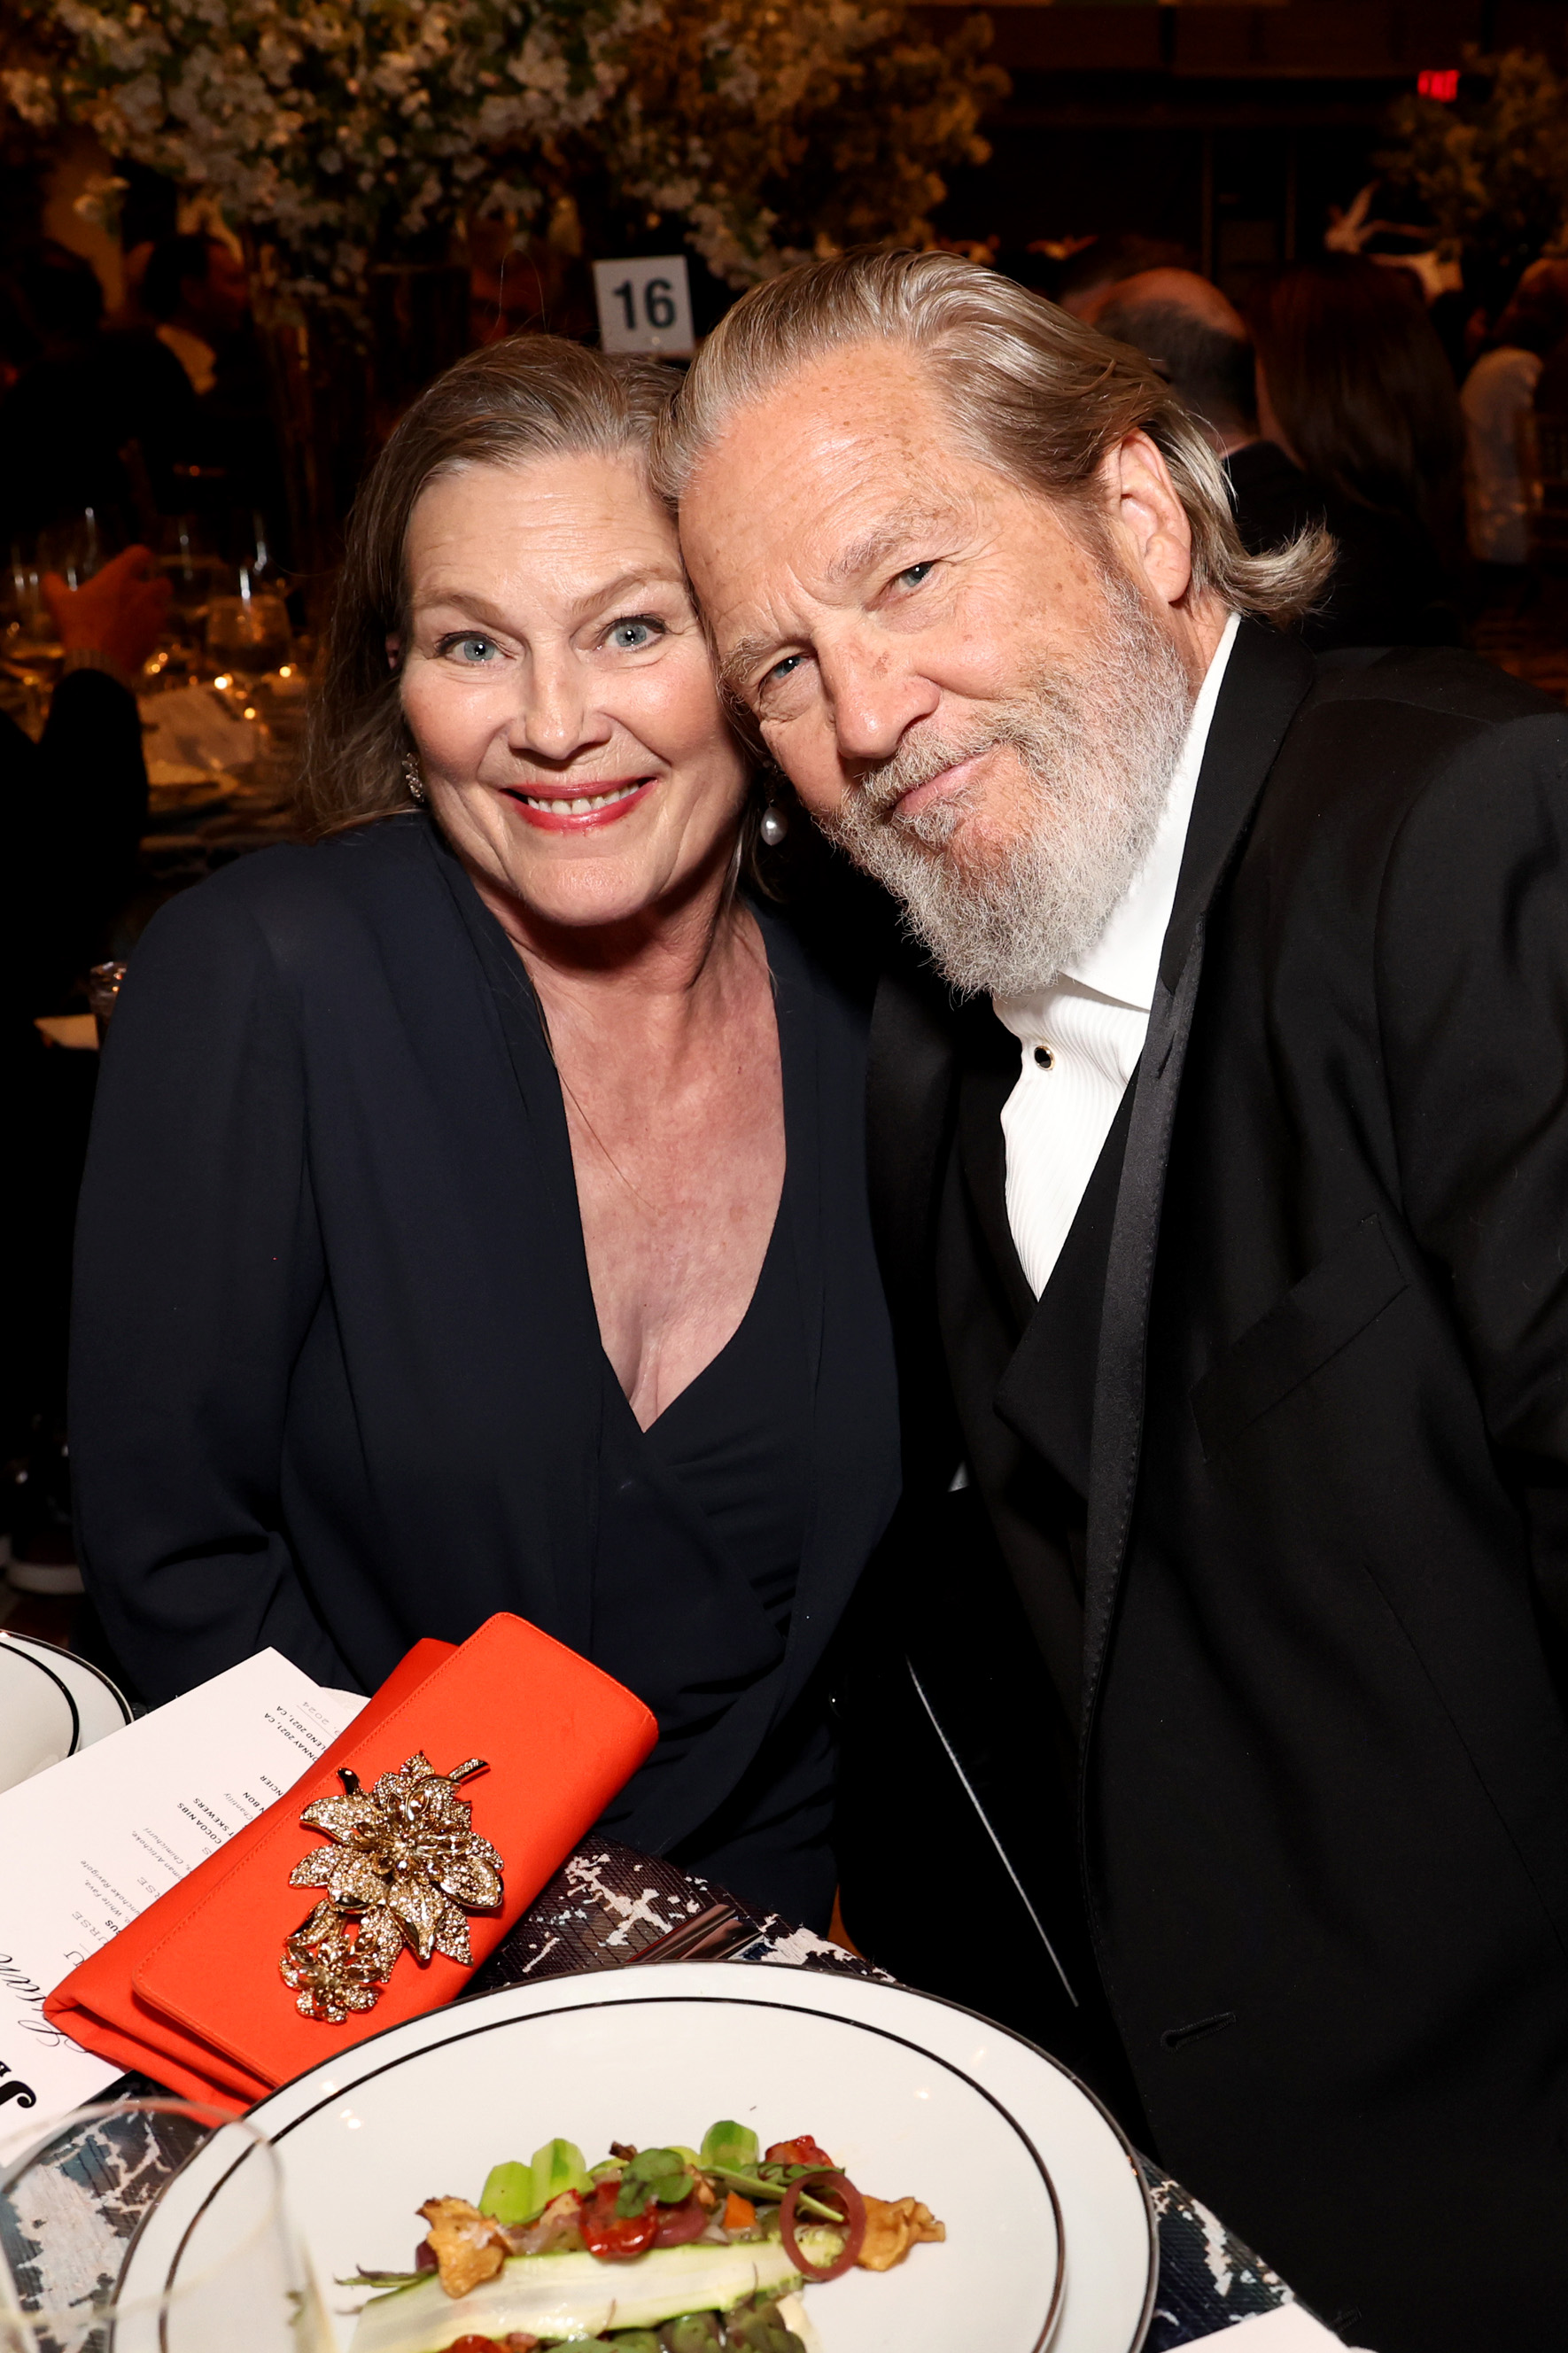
{"points": [[678, 2225], [853, 2224]]}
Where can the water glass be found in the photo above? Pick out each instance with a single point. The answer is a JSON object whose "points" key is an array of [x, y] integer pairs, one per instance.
{"points": [[72, 2195]]}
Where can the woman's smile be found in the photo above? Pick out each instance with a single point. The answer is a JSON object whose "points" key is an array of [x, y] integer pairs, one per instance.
{"points": [[572, 808]]}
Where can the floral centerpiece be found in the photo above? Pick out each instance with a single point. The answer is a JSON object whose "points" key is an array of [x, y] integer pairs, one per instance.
{"points": [[345, 132], [350, 144]]}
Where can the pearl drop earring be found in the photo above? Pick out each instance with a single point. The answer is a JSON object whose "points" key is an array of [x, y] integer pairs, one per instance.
{"points": [[774, 825]]}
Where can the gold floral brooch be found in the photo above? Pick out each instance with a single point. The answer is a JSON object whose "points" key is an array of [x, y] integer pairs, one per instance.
{"points": [[404, 1866]]}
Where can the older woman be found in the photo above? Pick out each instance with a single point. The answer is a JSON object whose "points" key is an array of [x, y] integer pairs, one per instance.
{"points": [[475, 1219]]}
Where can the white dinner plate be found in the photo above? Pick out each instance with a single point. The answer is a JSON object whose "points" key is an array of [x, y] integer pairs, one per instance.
{"points": [[100, 1706], [913, 2095], [38, 1721]]}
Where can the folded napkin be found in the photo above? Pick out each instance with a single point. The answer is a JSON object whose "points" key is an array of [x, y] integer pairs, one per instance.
{"points": [[192, 1994]]}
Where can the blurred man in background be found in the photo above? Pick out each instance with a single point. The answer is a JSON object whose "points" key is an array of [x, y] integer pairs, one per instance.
{"points": [[1198, 341]]}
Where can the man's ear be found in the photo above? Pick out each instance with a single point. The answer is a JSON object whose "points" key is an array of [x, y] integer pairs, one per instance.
{"points": [[1149, 516]]}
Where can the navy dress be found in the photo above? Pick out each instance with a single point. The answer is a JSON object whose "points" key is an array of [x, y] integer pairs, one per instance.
{"points": [[337, 1380], [713, 1502]]}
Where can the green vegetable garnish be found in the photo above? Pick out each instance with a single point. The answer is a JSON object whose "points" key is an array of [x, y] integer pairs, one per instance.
{"points": [[753, 2186], [556, 2167], [693, 2332], [508, 2193], [515, 2193], [653, 2175], [757, 2328], [732, 2146]]}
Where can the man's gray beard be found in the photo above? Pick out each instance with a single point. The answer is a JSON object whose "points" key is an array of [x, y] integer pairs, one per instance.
{"points": [[1098, 743]]}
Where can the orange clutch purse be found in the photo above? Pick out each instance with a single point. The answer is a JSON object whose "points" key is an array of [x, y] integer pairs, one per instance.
{"points": [[236, 1980]]}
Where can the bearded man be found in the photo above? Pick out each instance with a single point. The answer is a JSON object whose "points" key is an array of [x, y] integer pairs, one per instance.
{"points": [[1220, 1153]]}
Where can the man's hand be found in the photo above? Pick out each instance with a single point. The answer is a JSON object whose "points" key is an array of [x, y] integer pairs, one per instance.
{"points": [[119, 614]]}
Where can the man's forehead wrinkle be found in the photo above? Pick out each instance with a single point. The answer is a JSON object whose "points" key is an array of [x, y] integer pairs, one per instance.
{"points": [[892, 534]]}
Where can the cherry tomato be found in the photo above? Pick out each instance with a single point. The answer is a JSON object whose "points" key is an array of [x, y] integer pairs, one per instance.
{"points": [[616, 2238], [803, 2151]]}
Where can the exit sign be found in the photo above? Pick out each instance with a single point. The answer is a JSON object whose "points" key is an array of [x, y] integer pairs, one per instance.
{"points": [[1441, 82]]}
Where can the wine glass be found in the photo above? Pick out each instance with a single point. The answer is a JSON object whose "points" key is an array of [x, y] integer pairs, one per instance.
{"points": [[29, 641], [75, 547], [26, 625], [248, 634], [188, 561], [72, 2195]]}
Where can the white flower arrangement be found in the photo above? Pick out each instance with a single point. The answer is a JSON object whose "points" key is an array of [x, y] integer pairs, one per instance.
{"points": [[343, 132]]}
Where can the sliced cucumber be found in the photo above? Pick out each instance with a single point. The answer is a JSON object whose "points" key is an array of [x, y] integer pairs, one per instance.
{"points": [[560, 2297]]}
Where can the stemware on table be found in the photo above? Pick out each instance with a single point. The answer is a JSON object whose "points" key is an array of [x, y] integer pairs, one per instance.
{"points": [[251, 2287]]}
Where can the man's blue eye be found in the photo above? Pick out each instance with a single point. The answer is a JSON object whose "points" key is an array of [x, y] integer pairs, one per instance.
{"points": [[782, 670], [915, 574]]}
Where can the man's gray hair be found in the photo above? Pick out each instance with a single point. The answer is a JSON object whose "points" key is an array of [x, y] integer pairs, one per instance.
{"points": [[1029, 390]]}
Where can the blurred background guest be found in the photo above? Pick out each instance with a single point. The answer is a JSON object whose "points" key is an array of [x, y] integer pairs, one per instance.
{"points": [[89, 414], [1089, 277], [1353, 387], [196, 289], [72, 809], [1498, 400], [1198, 341]]}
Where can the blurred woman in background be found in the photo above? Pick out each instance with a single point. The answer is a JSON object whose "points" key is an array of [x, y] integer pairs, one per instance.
{"points": [[1502, 392], [1353, 386]]}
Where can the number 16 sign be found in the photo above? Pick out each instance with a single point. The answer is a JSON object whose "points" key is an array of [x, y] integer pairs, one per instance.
{"points": [[645, 305]]}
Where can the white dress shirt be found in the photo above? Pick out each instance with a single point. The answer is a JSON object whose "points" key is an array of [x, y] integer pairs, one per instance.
{"points": [[1082, 1037]]}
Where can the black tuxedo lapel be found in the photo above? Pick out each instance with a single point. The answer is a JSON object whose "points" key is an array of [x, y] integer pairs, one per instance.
{"points": [[1266, 682], [990, 1072]]}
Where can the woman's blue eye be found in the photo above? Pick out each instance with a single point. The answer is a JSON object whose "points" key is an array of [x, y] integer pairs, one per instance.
{"points": [[471, 649], [630, 636]]}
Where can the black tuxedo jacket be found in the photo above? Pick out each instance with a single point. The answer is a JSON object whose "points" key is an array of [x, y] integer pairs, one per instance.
{"points": [[1294, 1411]]}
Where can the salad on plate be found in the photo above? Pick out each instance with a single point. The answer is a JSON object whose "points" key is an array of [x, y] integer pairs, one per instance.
{"points": [[672, 2250]]}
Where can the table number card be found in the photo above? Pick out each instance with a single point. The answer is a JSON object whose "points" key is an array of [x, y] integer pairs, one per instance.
{"points": [[646, 306], [89, 1843]]}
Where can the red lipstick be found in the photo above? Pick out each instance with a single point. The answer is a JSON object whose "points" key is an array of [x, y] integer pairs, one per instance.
{"points": [[582, 807]]}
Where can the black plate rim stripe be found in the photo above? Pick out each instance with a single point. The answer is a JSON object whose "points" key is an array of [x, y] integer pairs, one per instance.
{"points": [[64, 1690]]}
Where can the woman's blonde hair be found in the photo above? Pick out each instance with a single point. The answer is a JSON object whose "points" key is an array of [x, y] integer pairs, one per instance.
{"points": [[532, 396], [1029, 389]]}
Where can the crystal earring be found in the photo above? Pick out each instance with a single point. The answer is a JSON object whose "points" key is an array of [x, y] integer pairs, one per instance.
{"points": [[412, 779], [774, 825]]}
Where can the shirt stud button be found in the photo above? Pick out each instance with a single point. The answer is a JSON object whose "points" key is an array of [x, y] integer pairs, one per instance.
{"points": [[1044, 1057]]}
